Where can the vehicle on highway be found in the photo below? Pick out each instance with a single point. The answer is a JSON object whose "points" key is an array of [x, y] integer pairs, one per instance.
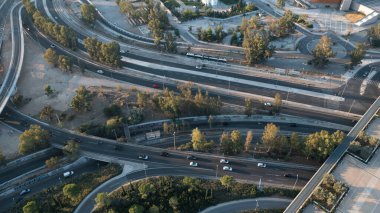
{"points": [[267, 104], [199, 67], [293, 125], [68, 174], [262, 165], [193, 164], [143, 157], [100, 71], [227, 168], [52, 45], [25, 191], [156, 86], [191, 157], [165, 154], [224, 161], [287, 175], [122, 51]]}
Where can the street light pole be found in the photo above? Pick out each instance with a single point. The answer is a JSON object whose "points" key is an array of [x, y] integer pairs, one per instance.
{"points": [[295, 182], [174, 140], [216, 172]]}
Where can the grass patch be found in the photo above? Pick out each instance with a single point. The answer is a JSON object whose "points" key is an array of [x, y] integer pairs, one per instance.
{"points": [[193, 3], [354, 17]]}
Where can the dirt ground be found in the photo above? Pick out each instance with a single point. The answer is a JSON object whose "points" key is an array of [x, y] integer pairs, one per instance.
{"points": [[9, 141]]}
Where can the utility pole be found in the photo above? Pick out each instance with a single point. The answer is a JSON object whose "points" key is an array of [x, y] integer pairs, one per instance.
{"points": [[174, 140], [351, 106], [260, 184], [295, 182], [145, 170], [216, 172]]}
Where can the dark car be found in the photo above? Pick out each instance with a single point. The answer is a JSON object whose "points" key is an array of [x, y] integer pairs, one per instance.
{"points": [[164, 154], [191, 157], [287, 175], [293, 125]]}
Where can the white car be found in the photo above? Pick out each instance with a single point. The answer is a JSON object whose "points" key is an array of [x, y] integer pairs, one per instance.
{"points": [[143, 157], [199, 67], [25, 191], [122, 51], [224, 161], [100, 71], [227, 168], [268, 104], [262, 165], [68, 174], [193, 164]]}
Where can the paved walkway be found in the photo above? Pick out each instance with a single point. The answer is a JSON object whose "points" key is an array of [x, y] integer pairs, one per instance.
{"points": [[249, 204]]}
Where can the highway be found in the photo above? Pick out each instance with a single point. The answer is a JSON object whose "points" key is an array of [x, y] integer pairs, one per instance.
{"points": [[48, 180], [333, 159], [13, 72], [359, 106]]}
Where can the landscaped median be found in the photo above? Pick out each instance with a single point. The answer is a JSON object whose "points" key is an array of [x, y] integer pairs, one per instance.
{"points": [[328, 195], [66, 196], [363, 147], [181, 194]]}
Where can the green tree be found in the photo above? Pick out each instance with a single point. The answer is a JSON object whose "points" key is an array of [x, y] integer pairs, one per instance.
{"points": [[71, 149], [198, 140], [48, 90], [145, 189], [374, 35], [31, 207], [248, 141], [226, 146], [269, 136], [51, 57], [322, 52], [154, 209], [319, 145], [236, 141], [32, 139], [72, 191], [64, 63], [89, 13], [135, 116], [170, 44], [280, 3], [210, 120], [46, 113], [295, 142], [136, 209], [52, 162], [256, 46], [227, 181], [102, 199], [82, 100], [248, 103], [254, 23], [277, 102], [173, 202], [357, 55]]}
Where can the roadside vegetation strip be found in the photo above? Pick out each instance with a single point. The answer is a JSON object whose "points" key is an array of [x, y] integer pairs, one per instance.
{"points": [[181, 194], [65, 197], [328, 195], [363, 147]]}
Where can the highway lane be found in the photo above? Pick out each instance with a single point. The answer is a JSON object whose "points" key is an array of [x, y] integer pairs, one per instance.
{"points": [[7, 174], [8, 203], [15, 65], [333, 159], [249, 204]]}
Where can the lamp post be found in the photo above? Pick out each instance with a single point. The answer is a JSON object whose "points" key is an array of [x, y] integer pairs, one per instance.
{"points": [[295, 183], [174, 140], [216, 172]]}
